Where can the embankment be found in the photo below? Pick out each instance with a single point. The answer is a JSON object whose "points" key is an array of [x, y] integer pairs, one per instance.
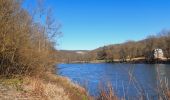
{"points": [[51, 87]]}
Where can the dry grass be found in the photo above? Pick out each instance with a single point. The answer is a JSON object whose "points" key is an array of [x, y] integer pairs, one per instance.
{"points": [[55, 88], [107, 93], [50, 88], [45, 90], [74, 91], [163, 90]]}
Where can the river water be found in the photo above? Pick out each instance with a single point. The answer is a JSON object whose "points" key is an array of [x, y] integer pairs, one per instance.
{"points": [[129, 79]]}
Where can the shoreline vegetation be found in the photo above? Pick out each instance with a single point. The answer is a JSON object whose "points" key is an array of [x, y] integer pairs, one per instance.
{"points": [[140, 60], [50, 87]]}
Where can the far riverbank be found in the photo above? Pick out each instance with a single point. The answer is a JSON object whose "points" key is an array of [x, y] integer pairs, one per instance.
{"points": [[139, 60]]}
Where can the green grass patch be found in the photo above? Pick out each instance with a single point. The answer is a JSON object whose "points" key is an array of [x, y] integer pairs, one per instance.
{"points": [[12, 82]]}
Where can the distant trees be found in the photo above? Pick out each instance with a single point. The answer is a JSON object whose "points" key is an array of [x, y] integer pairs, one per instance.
{"points": [[166, 44], [132, 49], [109, 55], [101, 54], [149, 46], [123, 54]]}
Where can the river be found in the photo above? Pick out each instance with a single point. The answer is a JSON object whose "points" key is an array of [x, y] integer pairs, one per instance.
{"points": [[125, 78]]}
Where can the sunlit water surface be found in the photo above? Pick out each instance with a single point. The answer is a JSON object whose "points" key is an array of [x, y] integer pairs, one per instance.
{"points": [[95, 76]]}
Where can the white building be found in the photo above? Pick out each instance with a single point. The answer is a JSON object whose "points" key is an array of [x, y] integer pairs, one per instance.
{"points": [[158, 54]]}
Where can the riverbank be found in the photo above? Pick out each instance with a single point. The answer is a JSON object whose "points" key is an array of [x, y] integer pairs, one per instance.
{"points": [[51, 87], [139, 60]]}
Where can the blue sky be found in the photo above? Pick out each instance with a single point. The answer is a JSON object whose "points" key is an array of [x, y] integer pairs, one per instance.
{"points": [[89, 24]]}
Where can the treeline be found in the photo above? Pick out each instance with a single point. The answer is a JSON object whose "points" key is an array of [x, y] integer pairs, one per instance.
{"points": [[129, 50], [26, 39], [133, 49]]}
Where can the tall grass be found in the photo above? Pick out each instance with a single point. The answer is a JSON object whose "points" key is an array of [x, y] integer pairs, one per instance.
{"points": [[107, 93]]}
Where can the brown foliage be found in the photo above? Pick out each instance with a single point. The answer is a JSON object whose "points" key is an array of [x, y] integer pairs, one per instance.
{"points": [[25, 46], [135, 49]]}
